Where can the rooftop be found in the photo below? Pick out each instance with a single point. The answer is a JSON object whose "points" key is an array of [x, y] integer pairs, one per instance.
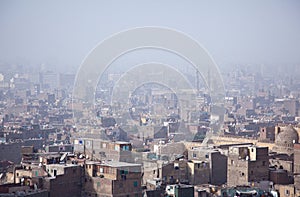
{"points": [[116, 164], [62, 165]]}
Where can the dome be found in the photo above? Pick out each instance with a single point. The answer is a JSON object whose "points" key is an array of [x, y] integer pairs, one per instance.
{"points": [[287, 136]]}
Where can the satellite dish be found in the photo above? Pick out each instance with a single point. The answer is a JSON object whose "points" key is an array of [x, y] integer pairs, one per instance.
{"points": [[63, 157]]}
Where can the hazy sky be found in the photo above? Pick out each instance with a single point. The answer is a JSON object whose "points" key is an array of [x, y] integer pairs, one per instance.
{"points": [[234, 32]]}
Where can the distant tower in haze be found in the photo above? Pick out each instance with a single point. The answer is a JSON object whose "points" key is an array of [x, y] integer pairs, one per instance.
{"points": [[197, 82], [209, 80]]}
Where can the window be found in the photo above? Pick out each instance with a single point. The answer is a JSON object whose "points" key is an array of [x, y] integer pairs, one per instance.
{"points": [[207, 156], [280, 167], [98, 184], [194, 155], [125, 148], [243, 174], [124, 171], [135, 183], [102, 154], [101, 170], [287, 192]]}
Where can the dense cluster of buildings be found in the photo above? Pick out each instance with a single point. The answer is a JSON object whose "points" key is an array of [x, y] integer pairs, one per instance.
{"points": [[51, 146]]}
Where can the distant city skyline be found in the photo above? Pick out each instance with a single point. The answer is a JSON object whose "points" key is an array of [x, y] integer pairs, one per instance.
{"points": [[194, 98]]}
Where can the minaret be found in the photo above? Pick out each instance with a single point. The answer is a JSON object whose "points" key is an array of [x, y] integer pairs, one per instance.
{"points": [[197, 82], [209, 80]]}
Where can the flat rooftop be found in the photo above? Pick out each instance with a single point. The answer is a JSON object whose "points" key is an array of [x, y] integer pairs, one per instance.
{"points": [[116, 164], [62, 165]]}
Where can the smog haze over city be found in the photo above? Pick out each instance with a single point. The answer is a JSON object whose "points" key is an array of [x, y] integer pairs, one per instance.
{"points": [[149, 98], [62, 33]]}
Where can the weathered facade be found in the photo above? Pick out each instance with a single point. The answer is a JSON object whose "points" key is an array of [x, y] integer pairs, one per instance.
{"points": [[64, 180], [247, 164], [217, 163], [198, 172], [285, 190], [112, 179], [297, 168], [98, 149]]}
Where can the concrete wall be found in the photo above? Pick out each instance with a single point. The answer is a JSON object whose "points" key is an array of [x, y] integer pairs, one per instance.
{"points": [[297, 168], [218, 168], [259, 169], [247, 164], [11, 152], [237, 172], [114, 183], [68, 184], [97, 185], [297, 184], [217, 163], [198, 173], [279, 177], [285, 190], [104, 150], [151, 170], [170, 174], [60, 148]]}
